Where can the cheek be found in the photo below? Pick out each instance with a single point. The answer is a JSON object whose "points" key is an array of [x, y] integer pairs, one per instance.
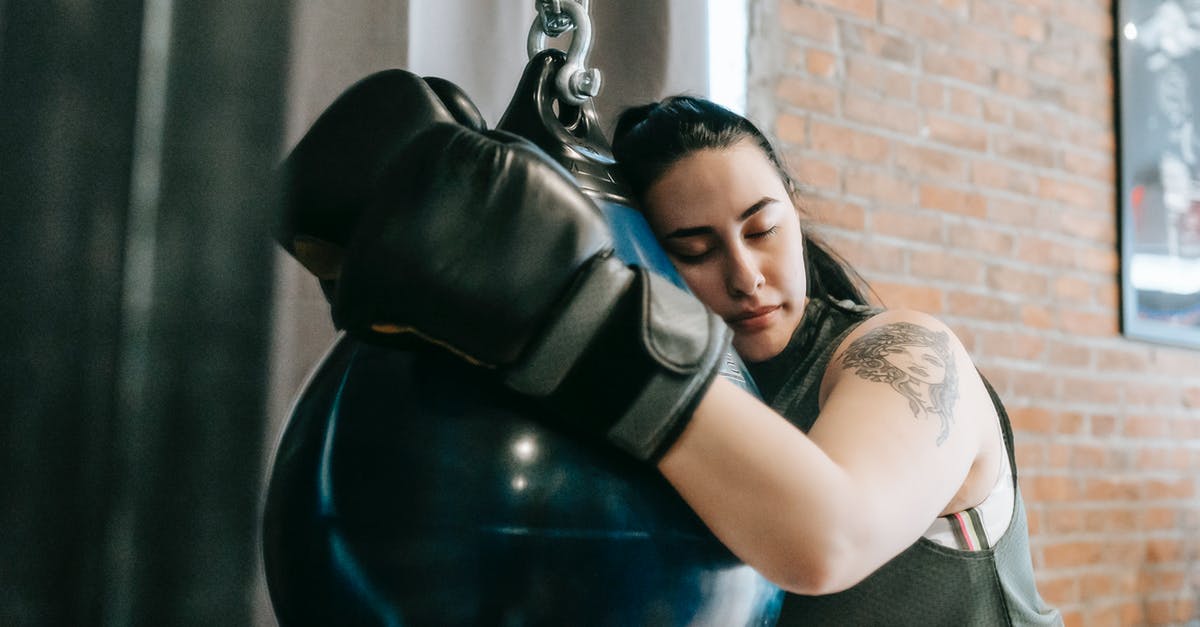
{"points": [[703, 284]]}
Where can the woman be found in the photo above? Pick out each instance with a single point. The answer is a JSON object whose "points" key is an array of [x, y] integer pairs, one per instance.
{"points": [[894, 500], [870, 515]]}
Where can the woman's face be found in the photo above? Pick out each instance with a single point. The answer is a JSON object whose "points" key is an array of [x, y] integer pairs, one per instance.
{"points": [[728, 224], [919, 362]]}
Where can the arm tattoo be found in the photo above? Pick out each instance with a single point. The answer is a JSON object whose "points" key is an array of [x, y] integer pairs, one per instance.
{"points": [[916, 362]]}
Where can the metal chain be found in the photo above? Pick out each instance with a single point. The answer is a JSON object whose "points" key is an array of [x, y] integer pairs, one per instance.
{"points": [[576, 83]]}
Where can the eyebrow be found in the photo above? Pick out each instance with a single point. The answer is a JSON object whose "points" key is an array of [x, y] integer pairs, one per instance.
{"points": [[691, 231]]}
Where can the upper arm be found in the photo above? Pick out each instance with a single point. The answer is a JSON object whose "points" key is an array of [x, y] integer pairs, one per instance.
{"points": [[903, 415]]}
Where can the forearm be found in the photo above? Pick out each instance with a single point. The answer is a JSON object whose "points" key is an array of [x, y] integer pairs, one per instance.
{"points": [[765, 490]]}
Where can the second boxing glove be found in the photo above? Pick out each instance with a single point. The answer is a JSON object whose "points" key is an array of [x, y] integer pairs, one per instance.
{"points": [[482, 245]]}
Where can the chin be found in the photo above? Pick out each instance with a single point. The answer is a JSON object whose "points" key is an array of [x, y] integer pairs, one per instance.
{"points": [[758, 348]]}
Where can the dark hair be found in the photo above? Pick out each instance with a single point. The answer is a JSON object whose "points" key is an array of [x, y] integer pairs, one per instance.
{"points": [[650, 138]]}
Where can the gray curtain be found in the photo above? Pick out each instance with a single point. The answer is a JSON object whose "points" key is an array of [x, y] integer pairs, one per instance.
{"points": [[136, 143]]}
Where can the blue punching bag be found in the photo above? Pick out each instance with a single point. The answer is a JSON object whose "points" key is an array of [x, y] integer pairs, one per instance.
{"points": [[411, 489]]}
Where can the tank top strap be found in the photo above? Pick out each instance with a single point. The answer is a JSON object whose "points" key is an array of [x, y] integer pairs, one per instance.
{"points": [[791, 381]]}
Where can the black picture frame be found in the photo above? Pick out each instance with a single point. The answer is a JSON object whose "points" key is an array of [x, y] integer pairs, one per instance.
{"points": [[1158, 156]]}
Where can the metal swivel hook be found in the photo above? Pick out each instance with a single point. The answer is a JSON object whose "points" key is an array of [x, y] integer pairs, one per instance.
{"points": [[576, 83]]}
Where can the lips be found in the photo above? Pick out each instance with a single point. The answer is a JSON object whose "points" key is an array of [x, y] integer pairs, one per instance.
{"points": [[756, 318]]}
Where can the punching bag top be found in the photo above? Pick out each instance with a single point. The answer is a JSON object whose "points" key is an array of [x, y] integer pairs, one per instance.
{"points": [[569, 134]]}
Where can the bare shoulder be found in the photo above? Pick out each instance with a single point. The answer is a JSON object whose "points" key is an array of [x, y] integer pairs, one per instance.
{"points": [[893, 329], [917, 357]]}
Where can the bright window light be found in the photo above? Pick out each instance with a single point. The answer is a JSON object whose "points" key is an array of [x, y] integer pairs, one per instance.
{"points": [[727, 42]]}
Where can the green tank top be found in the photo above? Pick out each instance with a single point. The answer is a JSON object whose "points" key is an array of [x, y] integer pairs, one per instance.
{"points": [[926, 584]]}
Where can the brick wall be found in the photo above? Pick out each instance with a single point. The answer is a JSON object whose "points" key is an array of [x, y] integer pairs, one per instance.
{"points": [[961, 153]]}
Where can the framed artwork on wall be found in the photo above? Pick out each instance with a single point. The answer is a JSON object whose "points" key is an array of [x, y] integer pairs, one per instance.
{"points": [[1158, 122]]}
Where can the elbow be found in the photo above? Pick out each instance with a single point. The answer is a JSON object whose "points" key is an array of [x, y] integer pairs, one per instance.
{"points": [[833, 565]]}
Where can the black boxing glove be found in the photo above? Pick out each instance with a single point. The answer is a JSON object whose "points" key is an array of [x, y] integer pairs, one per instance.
{"points": [[481, 244], [329, 176]]}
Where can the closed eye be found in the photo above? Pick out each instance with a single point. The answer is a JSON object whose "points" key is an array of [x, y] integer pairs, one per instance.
{"points": [[689, 259], [761, 234]]}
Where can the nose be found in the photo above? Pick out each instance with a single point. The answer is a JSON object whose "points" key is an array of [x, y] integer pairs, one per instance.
{"points": [[743, 276]]}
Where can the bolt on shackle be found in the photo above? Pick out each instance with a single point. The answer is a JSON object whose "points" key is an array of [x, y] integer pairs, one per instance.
{"points": [[576, 83]]}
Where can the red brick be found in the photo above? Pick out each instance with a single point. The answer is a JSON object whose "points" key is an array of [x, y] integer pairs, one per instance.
{"points": [[790, 128], [1073, 290], [1103, 426], [820, 63], [996, 111], [981, 238], [907, 295], [1089, 390], [1191, 397], [1035, 152], [880, 185], [931, 95], [1132, 613], [1071, 193], [1062, 591], [932, 163], [1101, 489], [965, 103], [1035, 386], [878, 44], [1014, 85], [981, 306], [1014, 281], [1096, 585], [1088, 18], [1146, 427], [1102, 260], [880, 113], [1089, 457], [1037, 317], [1070, 354], [1069, 554], [835, 213], [1108, 293], [1121, 360], [991, 15], [908, 225], [1030, 455], [928, 26], [1053, 64], [1058, 457], [1032, 420], [983, 44], [807, 95], [878, 78], [938, 264], [808, 22], [844, 141], [877, 257], [1031, 27], [1151, 395], [1014, 345], [1175, 489], [862, 9], [996, 175], [1069, 423], [1043, 252], [952, 201], [1087, 323], [1035, 122], [956, 66], [815, 173], [956, 133]]}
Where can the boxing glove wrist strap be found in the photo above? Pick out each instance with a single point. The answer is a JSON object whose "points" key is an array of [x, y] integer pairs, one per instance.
{"points": [[654, 348]]}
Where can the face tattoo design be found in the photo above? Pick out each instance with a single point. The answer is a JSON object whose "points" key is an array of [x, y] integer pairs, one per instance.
{"points": [[916, 362]]}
